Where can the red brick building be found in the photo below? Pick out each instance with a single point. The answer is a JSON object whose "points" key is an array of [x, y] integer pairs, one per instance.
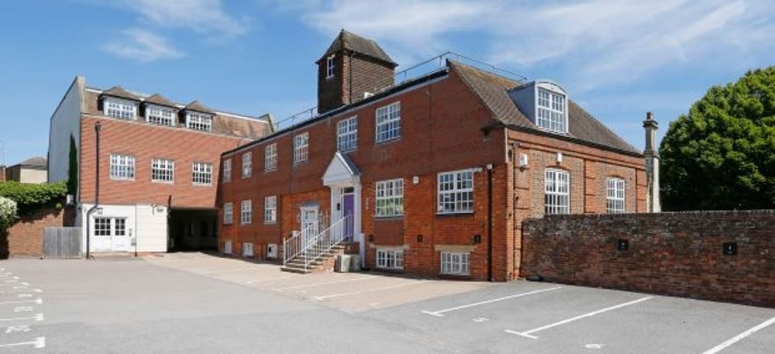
{"points": [[158, 167], [430, 176]]}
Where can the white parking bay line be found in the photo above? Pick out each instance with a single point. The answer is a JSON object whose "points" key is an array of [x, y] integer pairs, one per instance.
{"points": [[439, 312], [324, 283], [528, 334], [37, 317], [267, 279], [37, 301], [38, 343], [321, 298], [740, 337]]}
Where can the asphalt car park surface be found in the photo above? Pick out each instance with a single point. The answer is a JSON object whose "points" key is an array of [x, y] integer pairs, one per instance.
{"points": [[197, 303]]}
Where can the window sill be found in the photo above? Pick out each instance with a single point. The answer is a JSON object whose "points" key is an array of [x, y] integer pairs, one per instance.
{"points": [[202, 184], [465, 213], [270, 171], [163, 182], [270, 223], [122, 179], [389, 218], [387, 141]]}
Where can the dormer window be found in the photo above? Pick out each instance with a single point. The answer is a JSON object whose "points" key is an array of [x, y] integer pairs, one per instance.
{"points": [[199, 121], [330, 65], [118, 108], [159, 115], [543, 102], [550, 111]]}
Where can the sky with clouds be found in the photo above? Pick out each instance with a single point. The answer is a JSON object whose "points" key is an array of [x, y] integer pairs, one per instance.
{"points": [[617, 58]]}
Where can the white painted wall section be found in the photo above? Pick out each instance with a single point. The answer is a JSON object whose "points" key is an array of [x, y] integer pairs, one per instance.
{"points": [[145, 224]]}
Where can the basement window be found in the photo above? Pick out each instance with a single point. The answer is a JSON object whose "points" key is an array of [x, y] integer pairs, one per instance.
{"points": [[390, 259], [455, 263]]}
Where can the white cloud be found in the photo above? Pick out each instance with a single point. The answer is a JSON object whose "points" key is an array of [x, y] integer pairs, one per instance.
{"points": [[207, 18], [143, 46], [201, 16], [599, 41]]}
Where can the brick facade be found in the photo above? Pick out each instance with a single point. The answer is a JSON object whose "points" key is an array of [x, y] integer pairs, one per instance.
{"points": [[25, 238], [678, 254], [442, 130]]}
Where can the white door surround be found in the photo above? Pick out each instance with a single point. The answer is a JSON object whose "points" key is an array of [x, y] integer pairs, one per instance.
{"points": [[344, 178]]}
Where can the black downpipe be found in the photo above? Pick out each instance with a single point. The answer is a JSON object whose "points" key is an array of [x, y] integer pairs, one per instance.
{"points": [[97, 129], [489, 223]]}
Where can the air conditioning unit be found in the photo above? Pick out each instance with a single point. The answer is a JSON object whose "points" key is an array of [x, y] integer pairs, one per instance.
{"points": [[247, 249], [227, 247], [271, 250], [347, 263]]}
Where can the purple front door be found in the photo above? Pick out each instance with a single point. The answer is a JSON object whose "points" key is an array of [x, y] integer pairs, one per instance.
{"points": [[348, 203]]}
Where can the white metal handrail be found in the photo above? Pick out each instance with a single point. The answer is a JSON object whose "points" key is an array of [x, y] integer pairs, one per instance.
{"points": [[299, 242], [312, 248]]}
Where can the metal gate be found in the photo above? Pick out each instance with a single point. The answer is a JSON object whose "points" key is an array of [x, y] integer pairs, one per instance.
{"points": [[62, 242]]}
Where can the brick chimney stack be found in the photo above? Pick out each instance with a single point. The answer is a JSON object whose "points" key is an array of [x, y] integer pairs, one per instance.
{"points": [[652, 164]]}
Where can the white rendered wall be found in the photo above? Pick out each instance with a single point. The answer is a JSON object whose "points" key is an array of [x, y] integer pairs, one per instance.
{"points": [[147, 225]]}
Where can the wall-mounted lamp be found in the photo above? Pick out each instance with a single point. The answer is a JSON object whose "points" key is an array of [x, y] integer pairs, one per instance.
{"points": [[371, 238], [477, 239], [622, 244], [419, 238]]}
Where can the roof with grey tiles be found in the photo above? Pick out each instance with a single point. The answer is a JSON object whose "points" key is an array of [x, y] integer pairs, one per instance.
{"points": [[361, 45], [198, 107], [492, 90], [160, 100], [120, 92]]}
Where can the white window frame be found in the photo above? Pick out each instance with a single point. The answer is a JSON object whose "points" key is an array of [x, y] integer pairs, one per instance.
{"points": [[119, 108], [246, 212], [199, 121], [614, 201], [161, 115], [247, 249], [270, 157], [163, 171], [122, 167], [228, 213], [202, 173], [455, 192], [390, 258], [455, 263], [388, 123], [247, 164], [551, 110], [330, 66], [389, 198], [347, 134], [270, 210], [226, 170], [301, 148], [556, 192]]}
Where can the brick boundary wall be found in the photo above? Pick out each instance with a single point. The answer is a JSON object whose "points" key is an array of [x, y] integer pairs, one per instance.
{"points": [[25, 238], [676, 254]]}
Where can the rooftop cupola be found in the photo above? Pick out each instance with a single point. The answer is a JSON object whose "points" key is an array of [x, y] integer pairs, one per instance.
{"points": [[351, 69]]}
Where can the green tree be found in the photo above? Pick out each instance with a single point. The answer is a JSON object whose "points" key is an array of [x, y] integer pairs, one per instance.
{"points": [[72, 181], [721, 155]]}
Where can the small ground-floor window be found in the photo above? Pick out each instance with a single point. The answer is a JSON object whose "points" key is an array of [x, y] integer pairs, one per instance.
{"points": [[454, 263], [390, 259], [247, 249]]}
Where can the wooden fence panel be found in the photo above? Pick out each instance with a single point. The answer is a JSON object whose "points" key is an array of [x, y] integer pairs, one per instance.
{"points": [[62, 242]]}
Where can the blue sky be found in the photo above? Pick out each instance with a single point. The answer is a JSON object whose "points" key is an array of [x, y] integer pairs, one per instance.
{"points": [[617, 58]]}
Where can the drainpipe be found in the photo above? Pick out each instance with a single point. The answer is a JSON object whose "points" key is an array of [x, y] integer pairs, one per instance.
{"points": [[489, 222], [97, 129]]}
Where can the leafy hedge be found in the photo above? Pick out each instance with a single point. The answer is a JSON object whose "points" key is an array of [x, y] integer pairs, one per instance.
{"points": [[7, 213], [31, 197]]}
